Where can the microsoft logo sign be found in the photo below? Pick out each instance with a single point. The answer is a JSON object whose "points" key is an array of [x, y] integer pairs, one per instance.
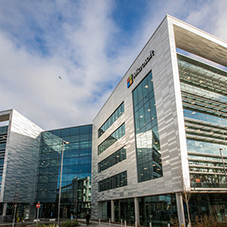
{"points": [[129, 81], [139, 69]]}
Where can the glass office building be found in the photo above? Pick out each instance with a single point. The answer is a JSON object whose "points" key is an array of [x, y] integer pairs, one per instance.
{"points": [[76, 174], [175, 132]]}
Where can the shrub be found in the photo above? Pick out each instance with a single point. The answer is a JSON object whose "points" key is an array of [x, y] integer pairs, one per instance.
{"points": [[205, 221], [45, 225], [70, 223]]}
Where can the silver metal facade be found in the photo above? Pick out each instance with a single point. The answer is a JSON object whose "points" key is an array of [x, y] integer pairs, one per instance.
{"points": [[170, 34], [21, 159]]}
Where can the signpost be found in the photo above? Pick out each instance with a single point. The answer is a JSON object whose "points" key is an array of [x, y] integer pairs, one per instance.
{"points": [[37, 206]]}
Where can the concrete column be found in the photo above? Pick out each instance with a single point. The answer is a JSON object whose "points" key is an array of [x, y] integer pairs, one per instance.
{"points": [[180, 209], [4, 209], [112, 211], [99, 210], [137, 211]]}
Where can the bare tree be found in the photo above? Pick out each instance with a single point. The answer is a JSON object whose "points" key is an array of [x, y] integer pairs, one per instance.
{"points": [[186, 195]]}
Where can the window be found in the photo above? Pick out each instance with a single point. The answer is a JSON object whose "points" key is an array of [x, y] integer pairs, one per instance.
{"points": [[112, 139], [146, 130], [115, 181], [117, 113], [113, 159]]}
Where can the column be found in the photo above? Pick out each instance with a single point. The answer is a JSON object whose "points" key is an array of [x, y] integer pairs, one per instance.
{"points": [[112, 211], [180, 209], [137, 212], [4, 209], [100, 207]]}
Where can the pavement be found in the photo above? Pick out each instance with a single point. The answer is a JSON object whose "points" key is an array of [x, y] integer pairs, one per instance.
{"points": [[82, 222], [98, 224]]}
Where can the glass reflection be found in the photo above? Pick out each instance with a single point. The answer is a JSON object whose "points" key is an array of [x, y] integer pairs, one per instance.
{"points": [[113, 159], [117, 113], [149, 164], [115, 181], [76, 177], [112, 139]]}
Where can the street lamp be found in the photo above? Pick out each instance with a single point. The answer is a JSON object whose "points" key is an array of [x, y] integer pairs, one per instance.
{"points": [[59, 201], [223, 162]]}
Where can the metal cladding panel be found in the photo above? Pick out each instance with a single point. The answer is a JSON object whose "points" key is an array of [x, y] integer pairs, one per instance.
{"points": [[169, 109], [21, 160]]}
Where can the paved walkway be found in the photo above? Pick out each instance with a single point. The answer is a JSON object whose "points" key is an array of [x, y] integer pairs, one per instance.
{"points": [[82, 222], [101, 224]]}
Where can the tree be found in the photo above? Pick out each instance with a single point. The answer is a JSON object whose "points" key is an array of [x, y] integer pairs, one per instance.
{"points": [[186, 195]]}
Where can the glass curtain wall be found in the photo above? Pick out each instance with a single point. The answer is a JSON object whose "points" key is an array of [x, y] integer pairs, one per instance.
{"points": [[76, 174], [209, 205], [204, 96], [124, 209], [149, 163], [158, 210]]}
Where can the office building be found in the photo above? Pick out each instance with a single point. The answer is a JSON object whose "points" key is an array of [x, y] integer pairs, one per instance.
{"points": [[159, 135], [76, 174], [30, 161], [19, 150]]}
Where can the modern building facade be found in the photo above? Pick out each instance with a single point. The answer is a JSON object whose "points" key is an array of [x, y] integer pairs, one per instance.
{"points": [[76, 173], [159, 135], [19, 147], [30, 163]]}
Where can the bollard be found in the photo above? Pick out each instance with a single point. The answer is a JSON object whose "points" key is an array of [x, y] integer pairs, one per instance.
{"points": [[99, 222], [121, 222], [168, 224], [109, 222], [150, 224], [125, 224]]}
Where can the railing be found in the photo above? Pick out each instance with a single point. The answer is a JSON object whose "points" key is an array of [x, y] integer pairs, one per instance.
{"points": [[208, 185]]}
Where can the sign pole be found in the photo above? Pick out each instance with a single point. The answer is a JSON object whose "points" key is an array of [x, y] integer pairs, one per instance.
{"points": [[37, 217], [37, 206]]}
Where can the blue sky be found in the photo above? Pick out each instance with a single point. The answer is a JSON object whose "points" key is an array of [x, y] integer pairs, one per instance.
{"points": [[90, 44]]}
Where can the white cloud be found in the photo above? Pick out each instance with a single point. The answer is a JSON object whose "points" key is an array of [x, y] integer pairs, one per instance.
{"points": [[77, 40], [29, 80]]}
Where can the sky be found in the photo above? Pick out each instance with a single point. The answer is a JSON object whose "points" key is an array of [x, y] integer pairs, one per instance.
{"points": [[90, 44]]}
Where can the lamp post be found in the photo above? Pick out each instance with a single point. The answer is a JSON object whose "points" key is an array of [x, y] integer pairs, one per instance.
{"points": [[59, 201], [223, 162]]}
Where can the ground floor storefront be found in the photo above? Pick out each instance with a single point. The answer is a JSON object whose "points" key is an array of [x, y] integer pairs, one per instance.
{"points": [[163, 209], [158, 210], [46, 210], [77, 210], [18, 211], [208, 204]]}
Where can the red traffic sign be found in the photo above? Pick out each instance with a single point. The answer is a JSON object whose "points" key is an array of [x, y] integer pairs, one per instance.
{"points": [[38, 205]]}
